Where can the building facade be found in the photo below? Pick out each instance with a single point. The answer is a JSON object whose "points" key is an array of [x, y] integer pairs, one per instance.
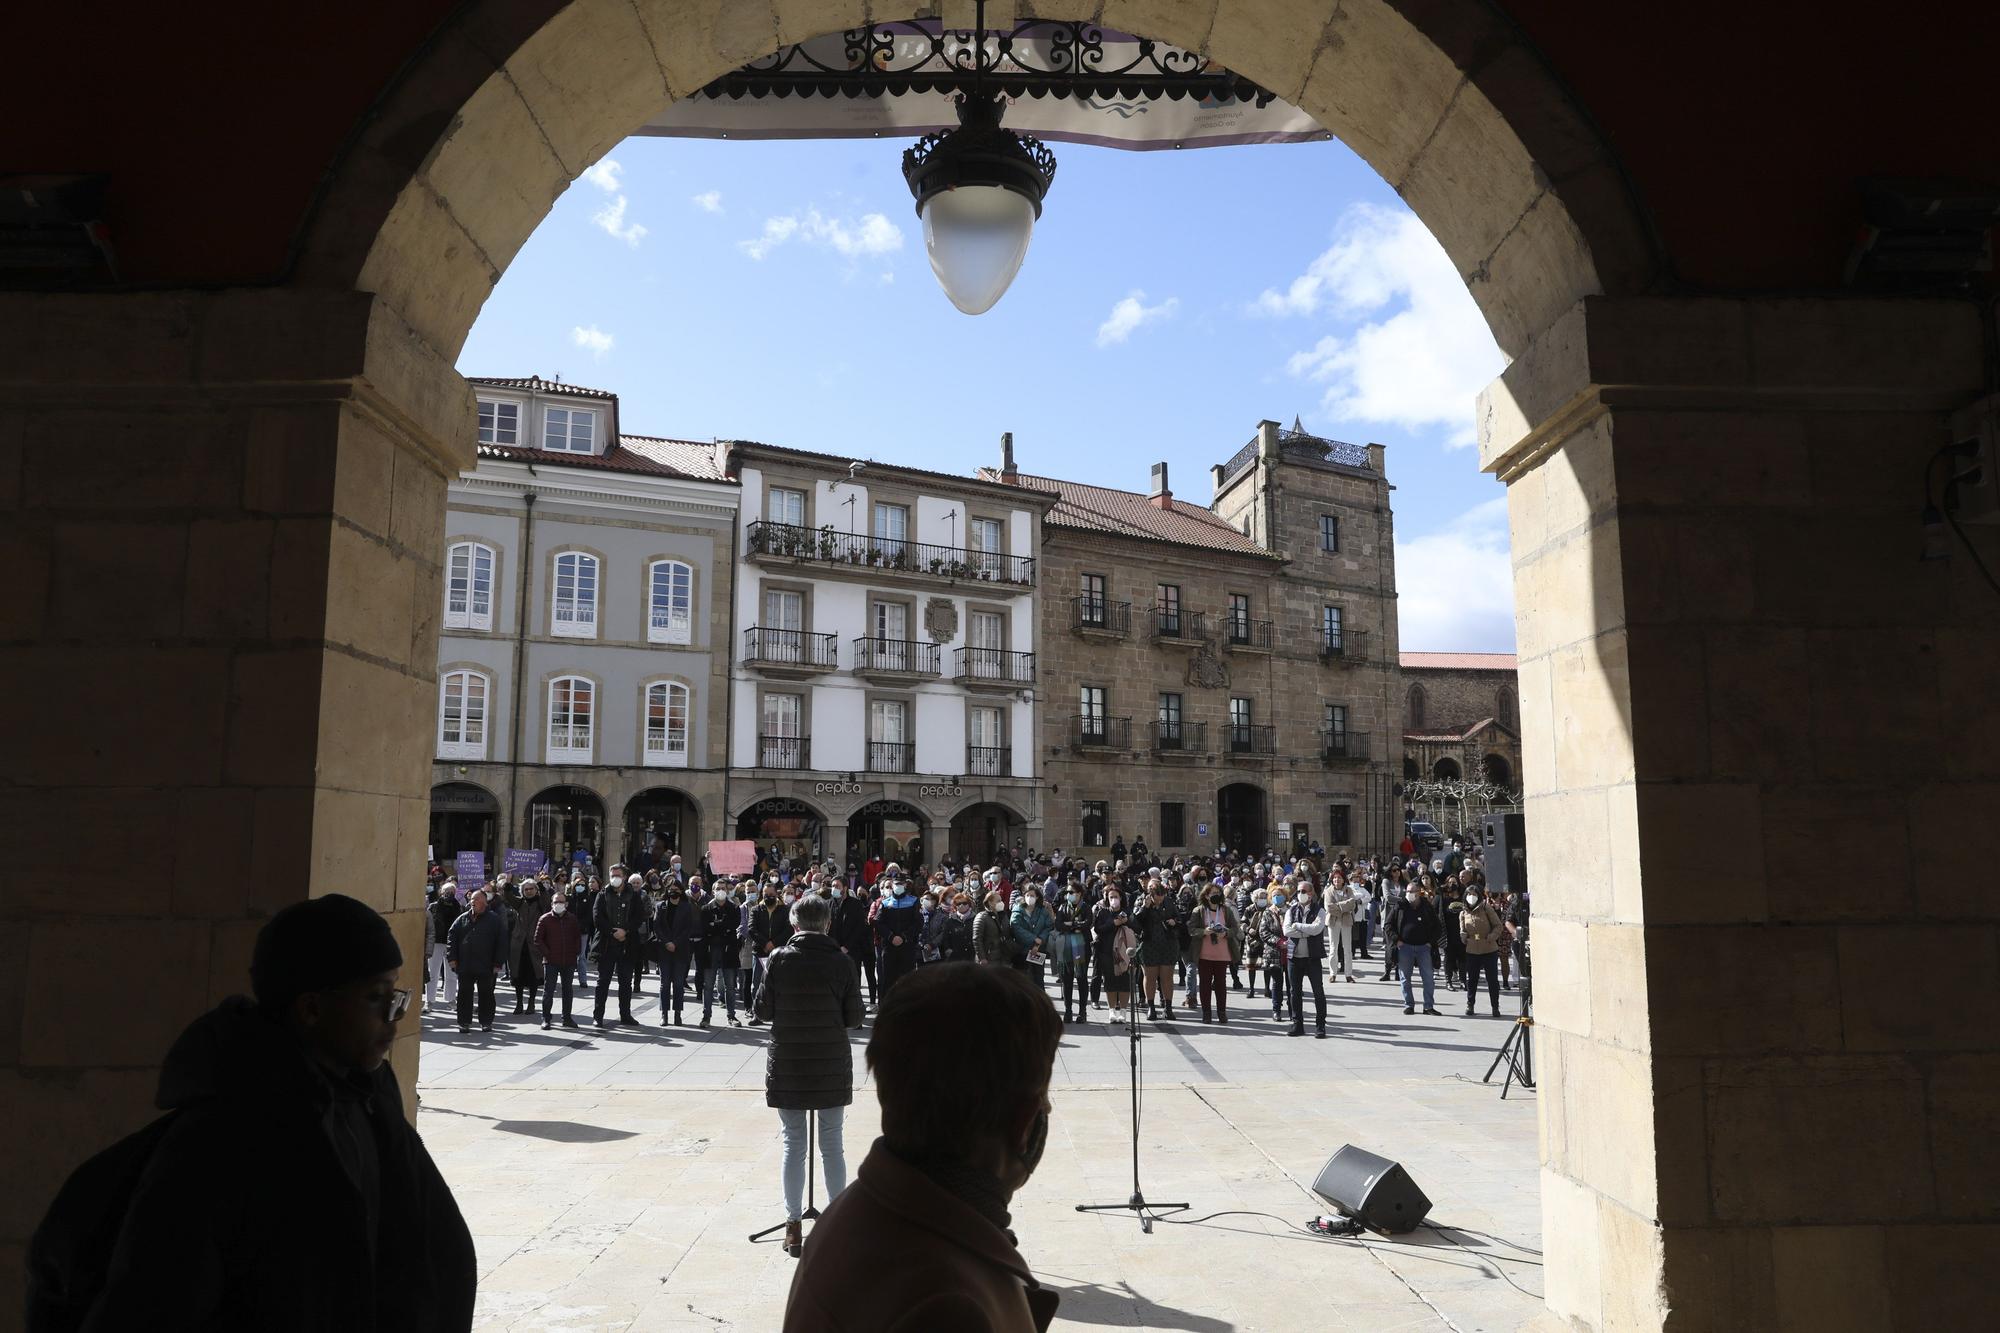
{"points": [[1222, 675], [582, 671], [1461, 737], [885, 649]]}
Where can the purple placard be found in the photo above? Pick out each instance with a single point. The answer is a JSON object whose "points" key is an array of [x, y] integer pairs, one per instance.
{"points": [[520, 861], [469, 869]]}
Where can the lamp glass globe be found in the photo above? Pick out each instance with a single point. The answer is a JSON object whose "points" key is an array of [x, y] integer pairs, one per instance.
{"points": [[977, 236]]}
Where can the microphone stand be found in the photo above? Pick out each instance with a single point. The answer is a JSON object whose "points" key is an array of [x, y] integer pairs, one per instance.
{"points": [[811, 1213], [1137, 1203]]}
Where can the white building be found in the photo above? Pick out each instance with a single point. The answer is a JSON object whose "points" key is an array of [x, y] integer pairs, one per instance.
{"points": [[883, 658]]}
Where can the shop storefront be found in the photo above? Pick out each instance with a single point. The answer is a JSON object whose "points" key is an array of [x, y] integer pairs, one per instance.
{"points": [[979, 832], [465, 817], [888, 831], [659, 823], [784, 829], [568, 824]]}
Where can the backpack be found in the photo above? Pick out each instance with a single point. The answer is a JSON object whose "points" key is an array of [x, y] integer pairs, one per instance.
{"points": [[69, 1256]]}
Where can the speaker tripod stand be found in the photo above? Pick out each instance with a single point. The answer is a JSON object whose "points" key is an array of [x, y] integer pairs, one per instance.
{"points": [[1518, 1051], [811, 1213], [1137, 1204]]}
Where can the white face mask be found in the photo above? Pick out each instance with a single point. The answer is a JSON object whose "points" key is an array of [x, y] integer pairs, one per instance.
{"points": [[1111, 900], [560, 908], [1030, 899], [1409, 895]]}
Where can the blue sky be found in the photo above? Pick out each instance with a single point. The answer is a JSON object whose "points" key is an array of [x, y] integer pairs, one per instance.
{"points": [[1170, 300]]}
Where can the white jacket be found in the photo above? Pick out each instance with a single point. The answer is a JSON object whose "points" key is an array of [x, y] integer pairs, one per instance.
{"points": [[1341, 904]]}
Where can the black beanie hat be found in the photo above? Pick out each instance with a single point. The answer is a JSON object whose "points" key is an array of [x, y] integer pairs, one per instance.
{"points": [[319, 944]]}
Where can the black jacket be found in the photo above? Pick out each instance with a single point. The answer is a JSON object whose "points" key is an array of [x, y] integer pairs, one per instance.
{"points": [[629, 910], [955, 940], [1414, 923], [770, 926], [677, 923], [444, 910], [243, 1217], [721, 931], [477, 943], [811, 996], [849, 928]]}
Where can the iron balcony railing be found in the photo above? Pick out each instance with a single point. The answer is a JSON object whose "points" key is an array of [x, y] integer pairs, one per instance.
{"points": [[1244, 632], [784, 751], [892, 757], [1094, 729], [1095, 613], [994, 666], [1176, 624], [1175, 736], [901, 655], [789, 647], [988, 761], [864, 551], [1344, 746], [1250, 738], [1349, 645]]}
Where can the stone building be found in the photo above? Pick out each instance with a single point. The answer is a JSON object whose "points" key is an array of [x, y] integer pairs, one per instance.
{"points": [[885, 658], [1221, 675], [1462, 718], [592, 727]]}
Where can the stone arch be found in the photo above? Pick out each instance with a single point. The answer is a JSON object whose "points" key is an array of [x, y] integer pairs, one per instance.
{"points": [[469, 148], [1446, 770], [1498, 771]]}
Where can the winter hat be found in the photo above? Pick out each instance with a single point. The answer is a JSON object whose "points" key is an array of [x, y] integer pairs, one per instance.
{"points": [[319, 944]]}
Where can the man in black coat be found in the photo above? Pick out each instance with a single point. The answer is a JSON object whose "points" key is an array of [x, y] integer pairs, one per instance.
{"points": [[677, 938], [811, 996], [474, 951], [621, 917], [1414, 928], [284, 1189], [721, 938], [851, 933]]}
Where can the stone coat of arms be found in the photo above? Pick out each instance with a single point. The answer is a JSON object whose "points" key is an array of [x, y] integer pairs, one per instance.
{"points": [[941, 619], [1206, 670]]}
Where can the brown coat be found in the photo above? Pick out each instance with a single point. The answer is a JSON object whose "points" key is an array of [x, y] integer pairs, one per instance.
{"points": [[895, 1253]]}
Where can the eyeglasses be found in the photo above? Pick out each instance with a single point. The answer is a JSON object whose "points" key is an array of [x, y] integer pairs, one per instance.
{"points": [[395, 1005]]}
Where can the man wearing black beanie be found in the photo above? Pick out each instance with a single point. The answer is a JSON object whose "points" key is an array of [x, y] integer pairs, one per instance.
{"points": [[283, 1189]]}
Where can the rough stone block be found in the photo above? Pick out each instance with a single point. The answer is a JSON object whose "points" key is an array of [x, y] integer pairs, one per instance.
{"points": [[1631, 1268], [1718, 1280], [1705, 460], [1964, 664], [698, 40], [1593, 691], [114, 578], [1562, 975], [1573, 1288], [495, 169], [1618, 985], [427, 270], [369, 597], [289, 459], [298, 578], [274, 711], [111, 993], [1930, 1008], [162, 458], [1535, 680], [54, 1121], [281, 847], [1569, 856], [1543, 264], [1703, 846], [1830, 1278], [1273, 38], [1743, 990], [91, 716], [1759, 713], [1943, 859], [1965, 1134], [1666, 683], [228, 573], [1608, 1104], [1836, 853], [1909, 345], [364, 475], [1777, 1127], [354, 846], [1687, 568], [1937, 1276], [212, 836], [1875, 705], [367, 714], [1472, 155]]}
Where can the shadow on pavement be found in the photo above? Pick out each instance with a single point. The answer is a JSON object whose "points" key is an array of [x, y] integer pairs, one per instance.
{"points": [[1122, 1307]]}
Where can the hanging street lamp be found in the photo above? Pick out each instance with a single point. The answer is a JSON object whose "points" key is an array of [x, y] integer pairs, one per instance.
{"points": [[979, 190]]}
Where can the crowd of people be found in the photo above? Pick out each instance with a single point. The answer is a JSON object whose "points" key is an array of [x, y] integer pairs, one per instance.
{"points": [[1125, 933]]}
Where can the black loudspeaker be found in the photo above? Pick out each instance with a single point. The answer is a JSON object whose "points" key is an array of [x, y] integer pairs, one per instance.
{"points": [[1503, 839], [1374, 1191]]}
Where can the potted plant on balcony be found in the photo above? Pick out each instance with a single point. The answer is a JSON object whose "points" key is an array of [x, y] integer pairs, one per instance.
{"points": [[826, 541], [937, 563]]}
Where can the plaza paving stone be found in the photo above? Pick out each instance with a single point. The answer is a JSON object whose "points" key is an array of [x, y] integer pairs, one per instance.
{"points": [[611, 1178]]}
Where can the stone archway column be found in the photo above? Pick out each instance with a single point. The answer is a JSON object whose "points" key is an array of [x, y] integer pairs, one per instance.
{"points": [[1759, 750], [221, 523]]}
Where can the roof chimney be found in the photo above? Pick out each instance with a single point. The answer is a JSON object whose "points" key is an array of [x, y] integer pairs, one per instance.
{"points": [[1008, 473], [1163, 497], [1267, 440]]}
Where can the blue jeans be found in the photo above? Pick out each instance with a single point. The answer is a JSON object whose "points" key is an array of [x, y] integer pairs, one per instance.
{"points": [[832, 1156], [1416, 956], [721, 981]]}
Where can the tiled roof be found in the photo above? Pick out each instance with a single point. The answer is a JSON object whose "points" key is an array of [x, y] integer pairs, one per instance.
{"points": [[536, 384], [954, 478], [637, 454], [1459, 661], [690, 458], [1130, 514]]}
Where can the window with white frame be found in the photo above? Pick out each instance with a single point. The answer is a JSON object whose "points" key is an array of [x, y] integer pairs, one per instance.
{"points": [[468, 586], [462, 699], [788, 506], [572, 717], [576, 596], [983, 537], [569, 430], [670, 602], [499, 423], [666, 724]]}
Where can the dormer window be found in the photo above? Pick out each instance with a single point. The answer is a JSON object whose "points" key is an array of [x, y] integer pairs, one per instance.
{"points": [[499, 423], [570, 430]]}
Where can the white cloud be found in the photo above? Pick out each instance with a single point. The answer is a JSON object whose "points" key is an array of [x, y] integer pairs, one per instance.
{"points": [[1455, 586], [611, 216], [1132, 314], [709, 201], [1418, 366], [870, 234], [592, 339]]}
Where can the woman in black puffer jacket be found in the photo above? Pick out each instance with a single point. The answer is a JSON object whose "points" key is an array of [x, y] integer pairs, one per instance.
{"points": [[811, 996]]}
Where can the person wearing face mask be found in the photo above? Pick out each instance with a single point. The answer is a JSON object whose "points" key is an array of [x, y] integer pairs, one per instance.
{"points": [[676, 940], [898, 924], [522, 968], [1305, 933], [1480, 926], [475, 949], [557, 943], [1115, 948], [1033, 927], [1277, 949], [1158, 925], [1341, 904], [853, 932], [992, 938], [937, 915], [770, 927], [1071, 951], [1413, 926], [955, 941], [721, 939], [1220, 942], [964, 1125]]}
